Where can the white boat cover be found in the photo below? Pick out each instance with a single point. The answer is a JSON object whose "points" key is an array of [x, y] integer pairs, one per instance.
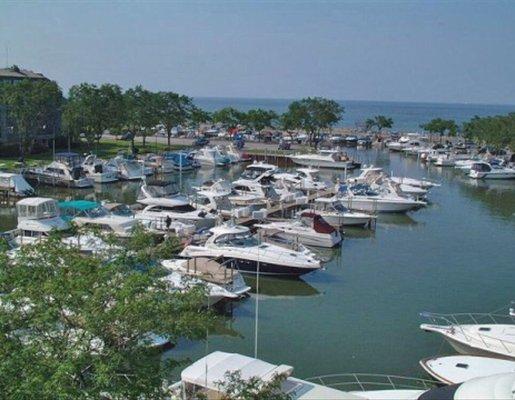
{"points": [[494, 387], [16, 182]]}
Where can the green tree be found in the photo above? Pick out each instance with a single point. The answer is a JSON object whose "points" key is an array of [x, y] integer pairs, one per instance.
{"points": [[441, 126], [259, 119], [199, 116], [380, 122], [142, 108], [234, 387], [313, 114], [497, 131], [79, 327], [229, 117], [173, 110]]}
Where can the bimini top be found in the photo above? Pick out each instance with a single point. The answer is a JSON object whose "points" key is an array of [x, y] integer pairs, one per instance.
{"points": [[79, 205], [209, 372]]}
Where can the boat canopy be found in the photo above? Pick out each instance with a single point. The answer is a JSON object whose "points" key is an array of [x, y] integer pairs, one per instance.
{"points": [[209, 372], [78, 205], [16, 182], [37, 208]]}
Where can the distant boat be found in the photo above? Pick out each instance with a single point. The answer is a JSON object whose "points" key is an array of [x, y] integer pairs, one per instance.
{"points": [[333, 159], [180, 161], [15, 185], [484, 170]]}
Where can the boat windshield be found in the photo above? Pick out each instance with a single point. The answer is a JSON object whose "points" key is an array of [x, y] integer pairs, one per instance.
{"points": [[223, 203], [97, 212], [339, 207], [238, 240]]}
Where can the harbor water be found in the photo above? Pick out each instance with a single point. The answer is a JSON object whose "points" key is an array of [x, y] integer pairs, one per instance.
{"points": [[361, 314]]}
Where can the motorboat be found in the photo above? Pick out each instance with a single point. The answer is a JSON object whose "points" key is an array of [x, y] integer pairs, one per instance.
{"points": [[210, 157], [400, 144], [236, 242], [88, 244], [183, 283], [158, 163], [211, 271], [213, 197], [180, 161], [334, 159], [305, 179], [484, 170], [250, 192], [419, 183], [338, 216], [258, 170], [15, 185], [451, 370], [61, 173], [487, 334], [94, 215], [465, 165], [128, 169], [231, 153], [98, 170], [37, 217], [445, 160]]}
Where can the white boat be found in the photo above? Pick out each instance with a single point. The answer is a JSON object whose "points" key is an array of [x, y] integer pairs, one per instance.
{"points": [[451, 370], [98, 170], [400, 144], [337, 215], [310, 229], [484, 170], [211, 157], [37, 217], [211, 271], [333, 159], [445, 160], [129, 170], [213, 197], [305, 179], [465, 165], [250, 192], [234, 242], [15, 185], [158, 163], [258, 170], [465, 333], [88, 243], [231, 153], [58, 173], [420, 183]]}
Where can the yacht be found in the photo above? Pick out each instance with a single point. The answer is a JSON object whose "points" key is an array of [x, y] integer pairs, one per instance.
{"points": [[98, 170], [337, 215], [129, 170], [15, 185], [419, 183], [334, 159], [310, 229], [210, 157], [445, 160], [213, 197], [37, 217], [92, 214], [452, 370], [158, 163], [231, 153], [305, 179], [400, 144], [180, 161], [484, 170], [88, 244], [210, 271], [59, 173], [229, 241], [249, 192], [259, 170]]}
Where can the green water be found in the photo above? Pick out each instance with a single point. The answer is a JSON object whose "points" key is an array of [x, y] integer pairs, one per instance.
{"points": [[361, 314]]}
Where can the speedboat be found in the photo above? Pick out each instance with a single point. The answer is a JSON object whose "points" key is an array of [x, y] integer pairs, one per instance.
{"points": [[59, 173], [231, 153], [305, 179], [129, 170], [484, 170], [210, 271], [400, 144], [337, 215], [334, 159], [235, 242], [451, 370], [250, 192], [213, 197], [258, 170], [310, 229], [210, 157], [419, 183], [88, 244], [15, 185], [98, 170], [92, 214], [180, 161], [445, 160], [157, 163], [37, 217]]}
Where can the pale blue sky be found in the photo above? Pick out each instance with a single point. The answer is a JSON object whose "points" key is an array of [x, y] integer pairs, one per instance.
{"points": [[441, 51]]}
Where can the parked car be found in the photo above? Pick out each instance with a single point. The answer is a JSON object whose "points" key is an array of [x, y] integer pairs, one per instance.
{"points": [[284, 145], [201, 141]]}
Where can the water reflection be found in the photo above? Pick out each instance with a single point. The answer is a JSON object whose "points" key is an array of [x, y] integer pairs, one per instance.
{"points": [[272, 287]]}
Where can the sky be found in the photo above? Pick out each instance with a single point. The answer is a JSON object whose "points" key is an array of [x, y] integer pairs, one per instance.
{"points": [[423, 51]]}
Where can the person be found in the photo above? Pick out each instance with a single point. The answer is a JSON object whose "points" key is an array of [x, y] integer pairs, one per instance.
{"points": [[168, 222]]}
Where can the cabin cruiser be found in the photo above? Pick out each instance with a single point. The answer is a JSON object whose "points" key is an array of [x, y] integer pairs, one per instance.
{"points": [[445, 160], [337, 215], [128, 169], [305, 179], [60, 173], [465, 165], [158, 163], [258, 170], [451, 370], [229, 241], [37, 217], [180, 161], [484, 170], [15, 185], [467, 335], [210, 271], [419, 183], [250, 192], [231, 153], [92, 214], [310, 229], [88, 244], [98, 170], [210, 157], [334, 159], [400, 144]]}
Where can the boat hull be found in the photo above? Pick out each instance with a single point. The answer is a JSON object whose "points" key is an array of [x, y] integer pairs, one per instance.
{"points": [[326, 163], [372, 205]]}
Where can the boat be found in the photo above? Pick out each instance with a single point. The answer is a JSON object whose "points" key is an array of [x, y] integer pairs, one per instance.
{"points": [[484, 170], [158, 163], [333, 159], [98, 170], [180, 161], [210, 157], [479, 334], [231, 153], [15, 185], [305, 179], [337, 215], [258, 170], [235, 242], [88, 244], [451, 370], [92, 214], [400, 144], [445, 160], [37, 217], [310, 229], [129, 170], [65, 171], [420, 183], [249, 192], [213, 197], [210, 271]]}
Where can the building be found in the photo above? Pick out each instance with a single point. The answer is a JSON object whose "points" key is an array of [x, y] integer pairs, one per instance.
{"points": [[14, 74]]}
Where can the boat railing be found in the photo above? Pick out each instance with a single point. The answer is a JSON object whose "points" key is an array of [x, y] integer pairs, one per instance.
{"points": [[363, 382]]}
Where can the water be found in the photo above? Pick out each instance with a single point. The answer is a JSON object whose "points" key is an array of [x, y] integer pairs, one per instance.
{"points": [[406, 116], [362, 313]]}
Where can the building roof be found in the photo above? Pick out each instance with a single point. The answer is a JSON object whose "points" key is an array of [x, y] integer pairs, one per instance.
{"points": [[19, 73]]}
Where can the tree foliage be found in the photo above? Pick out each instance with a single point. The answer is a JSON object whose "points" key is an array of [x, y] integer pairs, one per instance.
{"points": [[313, 114], [380, 122], [79, 327], [229, 117], [441, 126], [259, 119], [174, 109], [498, 131], [234, 387]]}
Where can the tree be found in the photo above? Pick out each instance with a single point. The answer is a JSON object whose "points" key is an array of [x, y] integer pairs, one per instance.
{"points": [[498, 131], [259, 119], [199, 116], [441, 126], [34, 107], [75, 326], [234, 387], [173, 110], [229, 117], [142, 107], [379, 121], [313, 114]]}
